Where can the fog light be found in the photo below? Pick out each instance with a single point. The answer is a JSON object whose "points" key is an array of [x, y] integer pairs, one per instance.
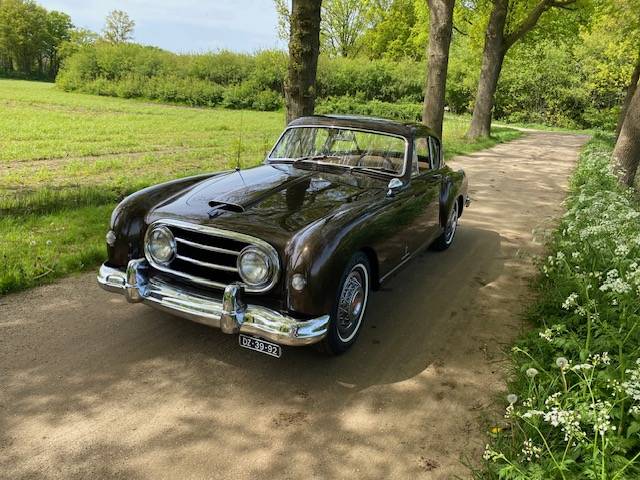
{"points": [[111, 238], [298, 282]]}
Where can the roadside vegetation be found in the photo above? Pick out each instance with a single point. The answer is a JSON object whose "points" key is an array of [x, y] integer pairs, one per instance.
{"points": [[573, 409], [66, 159]]}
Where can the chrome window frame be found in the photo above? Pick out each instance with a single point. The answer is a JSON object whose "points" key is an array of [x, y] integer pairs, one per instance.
{"points": [[207, 230], [341, 127]]}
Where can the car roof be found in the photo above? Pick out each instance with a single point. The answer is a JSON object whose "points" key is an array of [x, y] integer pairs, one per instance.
{"points": [[383, 125]]}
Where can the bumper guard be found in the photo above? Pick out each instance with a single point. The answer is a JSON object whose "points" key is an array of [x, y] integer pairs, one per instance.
{"points": [[230, 314]]}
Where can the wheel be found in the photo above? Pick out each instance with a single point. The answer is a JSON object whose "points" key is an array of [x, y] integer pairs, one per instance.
{"points": [[445, 240], [350, 306]]}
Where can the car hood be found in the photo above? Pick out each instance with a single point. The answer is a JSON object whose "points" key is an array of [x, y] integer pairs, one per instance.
{"points": [[270, 200]]}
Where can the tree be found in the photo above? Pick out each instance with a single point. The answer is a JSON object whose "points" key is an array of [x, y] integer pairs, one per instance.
{"points": [[626, 155], [304, 47], [440, 30], [22, 31], [499, 38], [631, 90], [59, 28], [342, 26], [119, 27]]}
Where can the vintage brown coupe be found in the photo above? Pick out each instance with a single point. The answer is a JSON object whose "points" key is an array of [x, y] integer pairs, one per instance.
{"points": [[287, 253]]}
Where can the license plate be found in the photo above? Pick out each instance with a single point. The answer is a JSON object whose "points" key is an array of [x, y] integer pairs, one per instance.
{"points": [[260, 345]]}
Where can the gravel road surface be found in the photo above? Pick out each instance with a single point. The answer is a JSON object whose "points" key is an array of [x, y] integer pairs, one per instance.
{"points": [[91, 387]]}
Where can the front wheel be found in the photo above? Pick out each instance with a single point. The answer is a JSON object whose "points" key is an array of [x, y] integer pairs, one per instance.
{"points": [[445, 240], [350, 306]]}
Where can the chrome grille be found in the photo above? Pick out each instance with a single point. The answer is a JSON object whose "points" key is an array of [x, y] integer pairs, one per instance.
{"points": [[207, 255]]}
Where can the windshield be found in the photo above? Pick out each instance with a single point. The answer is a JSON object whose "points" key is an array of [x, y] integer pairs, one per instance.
{"points": [[344, 147]]}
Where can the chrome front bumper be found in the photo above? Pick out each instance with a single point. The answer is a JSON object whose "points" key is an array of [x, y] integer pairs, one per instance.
{"points": [[230, 314]]}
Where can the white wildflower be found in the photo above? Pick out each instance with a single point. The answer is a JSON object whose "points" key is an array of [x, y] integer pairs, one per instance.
{"points": [[571, 301], [530, 450]]}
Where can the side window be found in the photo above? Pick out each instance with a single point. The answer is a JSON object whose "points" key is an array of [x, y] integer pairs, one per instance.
{"points": [[422, 154], [435, 152]]}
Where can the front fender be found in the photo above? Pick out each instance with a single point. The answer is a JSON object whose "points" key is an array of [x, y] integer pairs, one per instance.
{"points": [[128, 218], [320, 253]]}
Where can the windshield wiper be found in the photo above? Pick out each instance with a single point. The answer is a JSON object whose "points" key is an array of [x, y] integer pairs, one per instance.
{"points": [[310, 158], [380, 170]]}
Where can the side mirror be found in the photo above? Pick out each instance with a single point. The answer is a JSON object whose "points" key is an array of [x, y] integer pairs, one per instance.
{"points": [[395, 184]]}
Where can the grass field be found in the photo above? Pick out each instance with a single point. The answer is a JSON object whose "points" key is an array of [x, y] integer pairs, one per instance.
{"points": [[66, 159]]}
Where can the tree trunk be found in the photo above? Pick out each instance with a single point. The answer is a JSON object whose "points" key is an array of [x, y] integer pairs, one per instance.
{"points": [[631, 89], [492, 59], [304, 47], [440, 29], [626, 155]]}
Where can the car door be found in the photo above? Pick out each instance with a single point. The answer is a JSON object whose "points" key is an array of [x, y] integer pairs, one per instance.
{"points": [[426, 182]]}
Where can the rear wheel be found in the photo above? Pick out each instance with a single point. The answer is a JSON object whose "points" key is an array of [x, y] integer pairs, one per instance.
{"points": [[445, 240], [350, 306]]}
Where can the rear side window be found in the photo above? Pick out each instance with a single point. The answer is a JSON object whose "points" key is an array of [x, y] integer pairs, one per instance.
{"points": [[436, 153], [422, 155]]}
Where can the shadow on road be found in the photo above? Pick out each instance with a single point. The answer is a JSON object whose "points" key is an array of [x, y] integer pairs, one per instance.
{"points": [[154, 385]]}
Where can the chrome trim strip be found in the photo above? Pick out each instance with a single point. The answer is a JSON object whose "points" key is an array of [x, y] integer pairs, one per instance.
{"points": [[214, 266], [406, 143], [238, 317], [207, 247], [218, 232]]}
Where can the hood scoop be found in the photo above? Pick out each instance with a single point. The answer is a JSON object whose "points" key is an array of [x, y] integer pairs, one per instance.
{"points": [[218, 208]]}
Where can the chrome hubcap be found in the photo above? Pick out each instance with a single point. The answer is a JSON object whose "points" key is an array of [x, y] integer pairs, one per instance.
{"points": [[452, 224], [351, 303]]}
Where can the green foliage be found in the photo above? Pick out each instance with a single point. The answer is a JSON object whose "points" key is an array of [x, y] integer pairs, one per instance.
{"points": [[29, 38], [410, 112], [574, 411], [400, 30]]}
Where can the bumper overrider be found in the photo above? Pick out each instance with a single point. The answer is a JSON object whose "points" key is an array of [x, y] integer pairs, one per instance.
{"points": [[230, 314]]}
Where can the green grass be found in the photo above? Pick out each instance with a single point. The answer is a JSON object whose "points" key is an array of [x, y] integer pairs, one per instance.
{"points": [[66, 159]]}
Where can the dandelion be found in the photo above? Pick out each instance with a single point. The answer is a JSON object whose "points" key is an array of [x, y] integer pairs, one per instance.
{"points": [[49, 242], [562, 363], [512, 398], [531, 372]]}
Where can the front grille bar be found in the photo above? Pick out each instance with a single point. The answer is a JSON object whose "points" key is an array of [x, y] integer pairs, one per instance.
{"points": [[207, 247], [207, 264]]}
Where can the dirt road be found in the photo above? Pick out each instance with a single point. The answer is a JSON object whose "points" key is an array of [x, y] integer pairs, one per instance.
{"points": [[91, 387]]}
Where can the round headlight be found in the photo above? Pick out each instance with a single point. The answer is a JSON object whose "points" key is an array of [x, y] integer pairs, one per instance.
{"points": [[254, 266], [161, 246]]}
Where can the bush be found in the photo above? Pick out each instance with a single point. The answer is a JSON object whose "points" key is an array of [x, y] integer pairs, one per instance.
{"points": [[575, 408], [409, 112], [538, 85]]}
